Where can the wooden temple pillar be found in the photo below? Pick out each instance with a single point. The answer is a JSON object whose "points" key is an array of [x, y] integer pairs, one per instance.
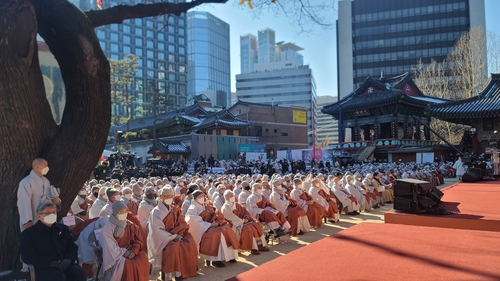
{"points": [[427, 132], [366, 132], [355, 131], [417, 132]]}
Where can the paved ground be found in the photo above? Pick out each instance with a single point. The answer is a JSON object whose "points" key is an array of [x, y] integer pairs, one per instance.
{"points": [[246, 261]]}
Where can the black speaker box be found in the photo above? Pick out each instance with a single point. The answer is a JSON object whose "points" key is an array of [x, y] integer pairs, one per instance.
{"points": [[412, 195], [471, 176]]}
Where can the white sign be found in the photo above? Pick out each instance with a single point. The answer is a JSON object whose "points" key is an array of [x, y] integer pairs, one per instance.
{"points": [[297, 154], [428, 157], [69, 220]]}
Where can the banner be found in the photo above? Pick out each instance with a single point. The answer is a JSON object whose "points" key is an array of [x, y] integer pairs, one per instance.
{"points": [[250, 147], [297, 154], [299, 117], [281, 154]]}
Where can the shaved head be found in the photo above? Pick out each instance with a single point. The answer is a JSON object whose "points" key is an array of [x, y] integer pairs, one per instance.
{"points": [[39, 161]]}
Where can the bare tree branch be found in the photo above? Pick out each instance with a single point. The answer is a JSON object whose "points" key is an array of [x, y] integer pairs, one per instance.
{"points": [[306, 14], [118, 14]]}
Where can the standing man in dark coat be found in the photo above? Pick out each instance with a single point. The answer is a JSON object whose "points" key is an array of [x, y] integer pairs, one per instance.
{"points": [[49, 247]]}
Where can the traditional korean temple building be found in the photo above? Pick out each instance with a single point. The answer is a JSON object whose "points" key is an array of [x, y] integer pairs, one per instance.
{"points": [[481, 112], [377, 120], [189, 130]]}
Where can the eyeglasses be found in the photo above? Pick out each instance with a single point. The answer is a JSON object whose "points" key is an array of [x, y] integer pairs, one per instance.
{"points": [[46, 214]]}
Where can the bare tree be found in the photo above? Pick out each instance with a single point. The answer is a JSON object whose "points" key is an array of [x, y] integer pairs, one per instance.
{"points": [[463, 74]]}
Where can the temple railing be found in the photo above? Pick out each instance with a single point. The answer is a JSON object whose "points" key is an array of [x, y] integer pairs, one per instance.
{"points": [[385, 143]]}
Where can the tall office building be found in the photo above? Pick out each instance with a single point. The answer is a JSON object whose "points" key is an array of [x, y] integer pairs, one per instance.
{"points": [[391, 36], [282, 84], [160, 42], [209, 65], [327, 128], [248, 53], [267, 45]]}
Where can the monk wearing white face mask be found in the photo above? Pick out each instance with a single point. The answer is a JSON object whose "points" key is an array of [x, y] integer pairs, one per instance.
{"points": [[33, 190], [123, 252]]}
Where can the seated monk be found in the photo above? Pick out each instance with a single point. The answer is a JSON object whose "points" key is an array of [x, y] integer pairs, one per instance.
{"points": [[321, 194], [246, 228], [259, 207], [296, 216], [132, 203], [314, 211], [122, 245], [81, 205], [215, 239], [170, 245]]}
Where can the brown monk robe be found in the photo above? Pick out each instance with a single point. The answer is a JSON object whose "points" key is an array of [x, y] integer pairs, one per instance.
{"points": [[267, 216], [133, 206], [332, 205], [138, 267], [178, 200], [209, 244], [185, 250], [250, 230], [294, 212], [315, 212], [135, 219]]}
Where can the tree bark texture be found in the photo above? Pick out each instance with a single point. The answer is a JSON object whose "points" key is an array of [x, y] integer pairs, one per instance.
{"points": [[27, 128]]}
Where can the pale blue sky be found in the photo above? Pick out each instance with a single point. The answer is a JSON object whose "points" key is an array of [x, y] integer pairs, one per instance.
{"points": [[319, 47]]}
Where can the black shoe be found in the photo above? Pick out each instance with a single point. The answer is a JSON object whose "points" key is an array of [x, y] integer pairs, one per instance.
{"points": [[232, 261], [356, 213], [300, 233], [351, 213], [331, 221], [218, 264]]}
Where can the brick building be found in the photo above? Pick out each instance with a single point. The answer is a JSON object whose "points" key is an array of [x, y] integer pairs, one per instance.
{"points": [[279, 128]]}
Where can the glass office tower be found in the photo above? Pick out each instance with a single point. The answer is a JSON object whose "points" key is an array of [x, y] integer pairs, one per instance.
{"points": [[161, 44], [391, 36], [209, 66]]}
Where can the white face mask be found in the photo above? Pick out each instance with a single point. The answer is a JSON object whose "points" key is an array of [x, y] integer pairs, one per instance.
{"points": [[122, 217], [50, 219], [168, 201], [117, 197], [45, 171], [83, 192], [231, 199], [128, 196], [201, 201]]}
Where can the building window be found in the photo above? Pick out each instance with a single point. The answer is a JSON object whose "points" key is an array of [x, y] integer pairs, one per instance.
{"points": [[230, 132], [267, 130], [488, 124], [238, 112], [284, 134], [258, 131], [275, 131]]}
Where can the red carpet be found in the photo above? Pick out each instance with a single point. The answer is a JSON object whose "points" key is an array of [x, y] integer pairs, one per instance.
{"points": [[477, 204], [371, 251]]}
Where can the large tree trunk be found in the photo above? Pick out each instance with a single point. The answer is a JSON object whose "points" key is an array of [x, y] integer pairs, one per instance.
{"points": [[27, 129], [26, 124]]}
